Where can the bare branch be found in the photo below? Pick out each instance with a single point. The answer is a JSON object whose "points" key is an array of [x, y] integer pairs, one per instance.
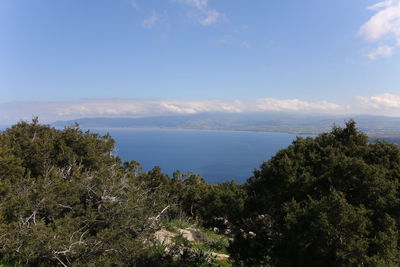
{"points": [[63, 264], [159, 215], [65, 206]]}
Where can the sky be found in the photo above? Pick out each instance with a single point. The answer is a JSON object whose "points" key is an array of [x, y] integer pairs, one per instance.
{"points": [[62, 59]]}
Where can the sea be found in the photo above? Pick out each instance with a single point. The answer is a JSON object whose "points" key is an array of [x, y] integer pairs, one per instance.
{"points": [[216, 155]]}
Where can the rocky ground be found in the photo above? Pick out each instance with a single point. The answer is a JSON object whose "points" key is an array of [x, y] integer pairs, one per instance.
{"points": [[178, 237]]}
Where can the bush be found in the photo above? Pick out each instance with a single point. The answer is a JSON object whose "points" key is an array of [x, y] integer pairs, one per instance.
{"points": [[332, 200], [65, 199]]}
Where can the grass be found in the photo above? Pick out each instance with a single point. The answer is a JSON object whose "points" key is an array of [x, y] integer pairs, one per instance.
{"points": [[181, 241], [216, 242], [206, 242], [174, 225]]}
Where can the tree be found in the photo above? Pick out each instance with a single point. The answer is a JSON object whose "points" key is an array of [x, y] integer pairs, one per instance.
{"points": [[66, 200], [332, 200]]}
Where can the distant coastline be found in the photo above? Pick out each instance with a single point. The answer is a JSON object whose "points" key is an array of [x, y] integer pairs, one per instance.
{"points": [[374, 126]]}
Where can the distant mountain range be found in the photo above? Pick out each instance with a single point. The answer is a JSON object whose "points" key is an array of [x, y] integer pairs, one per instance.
{"points": [[374, 126]]}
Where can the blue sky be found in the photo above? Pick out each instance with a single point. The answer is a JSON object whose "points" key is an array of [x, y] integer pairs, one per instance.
{"points": [[87, 57]]}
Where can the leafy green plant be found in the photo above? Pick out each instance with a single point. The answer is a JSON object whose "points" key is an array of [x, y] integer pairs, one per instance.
{"points": [[332, 200], [65, 189]]}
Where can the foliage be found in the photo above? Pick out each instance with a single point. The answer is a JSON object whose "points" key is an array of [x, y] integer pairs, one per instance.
{"points": [[192, 199], [224, 200], [66, 200], [332, 200]]}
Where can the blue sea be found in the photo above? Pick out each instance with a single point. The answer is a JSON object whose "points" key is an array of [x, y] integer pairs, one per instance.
{"points": [[216, 155]]}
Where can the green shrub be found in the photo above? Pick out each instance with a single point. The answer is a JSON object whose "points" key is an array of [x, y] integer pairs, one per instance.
{"points": [[332, 200]]}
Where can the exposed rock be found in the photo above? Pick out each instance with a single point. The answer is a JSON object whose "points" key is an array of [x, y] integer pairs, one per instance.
{"points": [[187, 234], [220, 256], [192, 234], [164, 236]]}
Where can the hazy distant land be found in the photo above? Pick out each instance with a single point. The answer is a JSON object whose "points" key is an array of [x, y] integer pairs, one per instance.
{"points": [[374, 126]]}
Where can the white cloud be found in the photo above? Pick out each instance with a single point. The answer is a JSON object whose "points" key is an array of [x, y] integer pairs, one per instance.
{"points": [[295, 105], [162, 107], [203, 14], [380, 52], [151, 21], [210, 17], [145, 108], [199, 4], [383, 27], [385, 23], [383, 102]]}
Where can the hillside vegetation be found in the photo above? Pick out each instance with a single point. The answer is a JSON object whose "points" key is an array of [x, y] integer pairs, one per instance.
{"points": [[66, 200]]}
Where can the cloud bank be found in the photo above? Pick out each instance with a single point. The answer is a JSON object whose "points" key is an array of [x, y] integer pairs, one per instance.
{"points": [[383, 104], [162, 107], [144, 108]]}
